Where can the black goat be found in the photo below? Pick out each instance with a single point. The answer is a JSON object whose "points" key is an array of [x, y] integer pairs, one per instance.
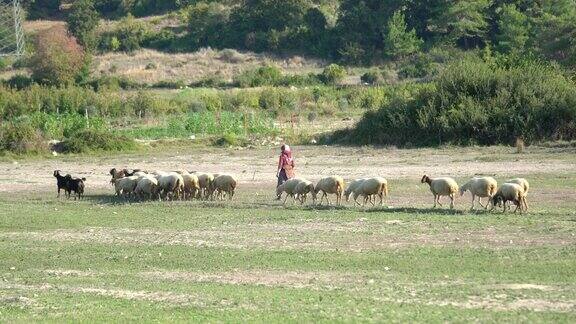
{"points": [[76, 185], [69, 184], [61, 181]]}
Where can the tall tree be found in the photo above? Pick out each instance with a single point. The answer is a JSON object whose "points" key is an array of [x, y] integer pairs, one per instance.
{"points": [[513, 30], [463, 23], [359, 26], [399, 41], [41, 9], [556, 37], [83, 21]]}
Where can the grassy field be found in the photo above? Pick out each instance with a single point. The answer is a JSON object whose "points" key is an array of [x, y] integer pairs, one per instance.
{"points": [[253, 260]]}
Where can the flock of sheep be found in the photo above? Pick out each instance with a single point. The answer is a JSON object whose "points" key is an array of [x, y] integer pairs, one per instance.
{"points": [[200, 185], [172, 185], [514, 190]]}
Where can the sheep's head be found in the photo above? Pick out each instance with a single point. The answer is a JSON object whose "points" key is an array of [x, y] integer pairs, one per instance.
{"points": [[113, 172], [347, 194], [462, 191], [426, 179], [279, 189], [497, 200], [316, 190], [56, 173]]}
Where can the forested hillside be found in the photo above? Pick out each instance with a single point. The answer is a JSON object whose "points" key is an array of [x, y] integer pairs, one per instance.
{"points": [[351, 31], [399, 72]]}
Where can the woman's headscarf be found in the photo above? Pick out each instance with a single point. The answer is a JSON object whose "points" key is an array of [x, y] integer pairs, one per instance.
{"points": [[286, 151]]}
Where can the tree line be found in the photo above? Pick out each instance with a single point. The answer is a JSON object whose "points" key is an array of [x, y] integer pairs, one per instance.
{"points": [[358, 32]]}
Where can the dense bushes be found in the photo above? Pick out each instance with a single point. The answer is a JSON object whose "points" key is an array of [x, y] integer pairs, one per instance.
{"points": [[89, 140], [474, 102], [129, 35], [36, 114], [21, 138], [58, 59], [272, 76], [31, 133]]}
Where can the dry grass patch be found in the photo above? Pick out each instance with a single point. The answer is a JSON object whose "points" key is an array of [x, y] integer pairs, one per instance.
{"points": [[193, 67]]}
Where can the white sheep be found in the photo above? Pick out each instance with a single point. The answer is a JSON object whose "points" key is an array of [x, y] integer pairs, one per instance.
{"points": [[205, 181], [191, 185], [125, 186], [171, 185], [374, 186], [441, 187], [289, 187], [303, 188], [481, 187], [522, 182], [224, 184], [510, 192], [330, 185], [351, 187], [147, 186]]}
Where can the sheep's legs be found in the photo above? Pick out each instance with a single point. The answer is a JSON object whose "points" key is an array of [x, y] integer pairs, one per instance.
{"points": [[451, 201], [480, 202], [322, 198], [369, 199], [437, 201], [473, 201]]}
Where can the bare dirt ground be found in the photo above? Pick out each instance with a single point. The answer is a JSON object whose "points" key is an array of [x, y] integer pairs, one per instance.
{"points": [[257, 167]]}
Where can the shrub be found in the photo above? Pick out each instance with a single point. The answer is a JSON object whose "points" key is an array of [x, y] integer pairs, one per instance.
{"points": [[164, 39], [262, 76], [131, 34], [58, 58], [371, 77], [108, 83], [367, 98], [166, 84], [212, 101], [3, 63], [206, 24], [83, 21], [231, 56], [19, 81], [21, 137], [41, 9], [333, 74], [418, 66], [226, 140], [145, 104], [473, 102], [92, 140]]}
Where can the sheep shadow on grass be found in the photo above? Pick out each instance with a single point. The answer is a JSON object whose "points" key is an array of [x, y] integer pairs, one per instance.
{"points": [[103, 199], [414, 210]]}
